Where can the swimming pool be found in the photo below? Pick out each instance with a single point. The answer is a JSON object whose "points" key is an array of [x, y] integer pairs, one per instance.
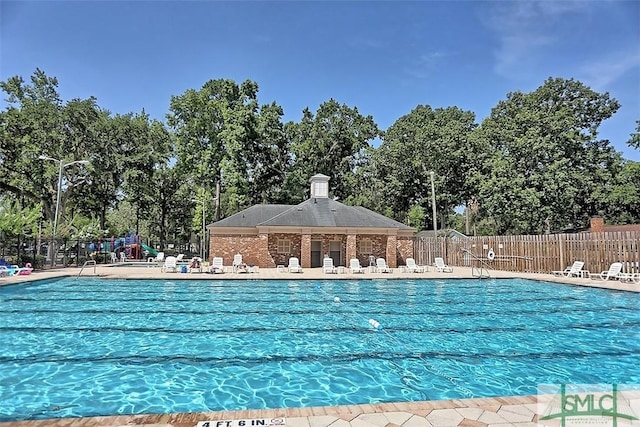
{"points": [[103, 347]]}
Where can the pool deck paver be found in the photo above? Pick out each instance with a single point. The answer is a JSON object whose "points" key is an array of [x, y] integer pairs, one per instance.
{"points": [[515, 411]]}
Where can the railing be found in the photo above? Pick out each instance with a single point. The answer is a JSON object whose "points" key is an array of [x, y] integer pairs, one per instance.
{"points": [[88, 262], [478, 271]]}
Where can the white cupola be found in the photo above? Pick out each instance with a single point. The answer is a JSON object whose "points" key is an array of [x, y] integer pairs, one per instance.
{"points": [[319, 186]]}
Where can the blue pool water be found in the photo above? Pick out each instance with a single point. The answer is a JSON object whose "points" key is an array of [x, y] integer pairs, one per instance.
{"points": [[103, 347]]}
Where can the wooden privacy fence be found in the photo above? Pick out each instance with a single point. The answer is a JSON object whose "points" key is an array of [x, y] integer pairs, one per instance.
{"points": [[535, 254]]}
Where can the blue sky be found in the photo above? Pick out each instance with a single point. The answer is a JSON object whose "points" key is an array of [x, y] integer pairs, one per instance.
{"points": [[383, 57]]}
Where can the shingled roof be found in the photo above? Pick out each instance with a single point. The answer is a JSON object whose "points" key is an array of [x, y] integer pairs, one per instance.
{"points": [[315, 212]]}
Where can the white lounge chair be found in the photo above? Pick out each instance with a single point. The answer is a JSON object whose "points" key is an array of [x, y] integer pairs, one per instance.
{"points": [[629, 277], [611, 274], [328, 267], [441, 266], [170, 264], [382, 267], [238, 264], [574, 271], [217, 265], [158, 258], [294, 265], [412, 267], [354, 266]]}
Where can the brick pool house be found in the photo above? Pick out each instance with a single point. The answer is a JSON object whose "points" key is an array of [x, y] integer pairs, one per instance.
{"points": [[268, 235]]}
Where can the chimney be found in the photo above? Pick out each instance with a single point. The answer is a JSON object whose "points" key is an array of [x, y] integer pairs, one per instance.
{"points": [[597, 225]]}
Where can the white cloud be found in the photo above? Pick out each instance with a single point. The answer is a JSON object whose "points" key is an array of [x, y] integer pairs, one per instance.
{"points": [[422, 66], [524, 30], [599, 75]]}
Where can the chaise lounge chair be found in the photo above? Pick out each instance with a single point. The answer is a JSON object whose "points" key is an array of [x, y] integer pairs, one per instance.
{"points": [[412, 267], [328, 267], [441, 266], [238, 264], [382, 267], [158, 258], [170, 264], [195, 265], [294, 265], [355, 267], [574, 271], [611, 274], [217, 265]]}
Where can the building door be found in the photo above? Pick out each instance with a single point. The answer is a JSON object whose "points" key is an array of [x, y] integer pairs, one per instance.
{"points": [[335, 248], [316, 253]]}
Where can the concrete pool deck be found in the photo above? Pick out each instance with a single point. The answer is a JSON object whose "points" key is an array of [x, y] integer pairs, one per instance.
{"points": [[495, 412]]}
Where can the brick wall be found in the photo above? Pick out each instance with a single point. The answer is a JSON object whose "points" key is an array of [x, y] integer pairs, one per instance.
{"points": [[250, 246], [405, 250], [283, 258], [597, 225], [262, 250]]}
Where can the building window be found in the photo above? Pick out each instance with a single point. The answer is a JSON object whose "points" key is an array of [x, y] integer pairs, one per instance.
{"points": [[365, 247], [284, 246], [321, 189]]}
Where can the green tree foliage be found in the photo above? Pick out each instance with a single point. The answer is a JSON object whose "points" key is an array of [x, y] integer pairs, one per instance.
{"points": [[415, 217], [535, 164], [544, 163], [215, 130], [634, 141], [621, 198], [418, 143], [16, 220], [332, 142]]}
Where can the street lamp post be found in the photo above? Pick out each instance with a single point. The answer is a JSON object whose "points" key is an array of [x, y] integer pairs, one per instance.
{"points": [[203, 244], [55, 216], [433, 202]]}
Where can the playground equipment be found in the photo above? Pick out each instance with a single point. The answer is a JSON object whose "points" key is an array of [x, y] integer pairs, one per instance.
{"points": [[130, 245]]}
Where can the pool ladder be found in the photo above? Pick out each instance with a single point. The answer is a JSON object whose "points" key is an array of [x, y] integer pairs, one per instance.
{"points": [[481, 271], [89, 262]]}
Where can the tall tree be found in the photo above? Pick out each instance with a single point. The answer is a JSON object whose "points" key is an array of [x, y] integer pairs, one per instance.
{"points": [[546, 162], [332, 142], [215, 130], [427, 140]]}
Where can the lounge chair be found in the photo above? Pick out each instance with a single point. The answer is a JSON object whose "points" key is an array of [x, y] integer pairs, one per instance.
{"points": [[195, 266], [217, 265], [382, 267], [441, 266], [294, 265], [158, 258], [180, 258], [611, 274], [412, 267], [355, 267], [238, 264], [170, 264], [629, 277], [574, 271], [328, 267]]}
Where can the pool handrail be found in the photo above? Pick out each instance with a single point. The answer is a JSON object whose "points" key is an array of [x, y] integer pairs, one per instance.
{"points": [[88, 262], [478, 271]]}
